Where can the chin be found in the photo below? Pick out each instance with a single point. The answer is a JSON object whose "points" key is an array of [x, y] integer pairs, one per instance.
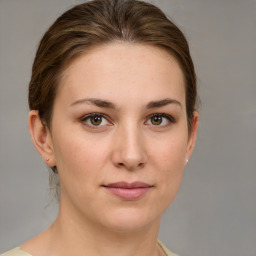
{"points": [[131, 220]]}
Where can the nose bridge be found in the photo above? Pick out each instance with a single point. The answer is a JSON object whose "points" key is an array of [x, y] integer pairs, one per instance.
{"points": [[130, 151]]}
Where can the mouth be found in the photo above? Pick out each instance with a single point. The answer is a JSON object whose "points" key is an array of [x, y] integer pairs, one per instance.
{"points": [[128, 191]]}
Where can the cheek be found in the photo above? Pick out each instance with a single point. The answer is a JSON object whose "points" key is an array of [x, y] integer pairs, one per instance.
{"points": [[80, 157], [78, 165], [168, 158], [170, 153]]}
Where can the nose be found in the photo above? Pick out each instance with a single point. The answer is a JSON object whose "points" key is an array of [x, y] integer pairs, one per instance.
{"points": [[129, 149]]}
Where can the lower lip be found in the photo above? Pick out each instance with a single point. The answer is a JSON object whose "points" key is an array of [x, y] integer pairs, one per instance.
{"points": [[128, 193]]}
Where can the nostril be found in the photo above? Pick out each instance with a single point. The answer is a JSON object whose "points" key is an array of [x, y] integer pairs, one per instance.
{"points": [[141, 164], [130, 166]]}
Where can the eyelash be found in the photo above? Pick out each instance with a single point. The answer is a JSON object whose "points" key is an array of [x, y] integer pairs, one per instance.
{"points": [[87, 117], [169, 118]]}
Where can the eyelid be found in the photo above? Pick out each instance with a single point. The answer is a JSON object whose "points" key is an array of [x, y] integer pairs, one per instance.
{"points": [[85, 117], [170, 118]]}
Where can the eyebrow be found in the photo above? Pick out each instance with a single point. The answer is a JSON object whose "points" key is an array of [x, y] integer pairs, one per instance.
{"points": [[107, 104], [162, 103], [97, 102]]}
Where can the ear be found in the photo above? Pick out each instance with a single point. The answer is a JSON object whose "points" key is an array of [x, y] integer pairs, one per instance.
{"points": [[192, 136], [41, 138]]}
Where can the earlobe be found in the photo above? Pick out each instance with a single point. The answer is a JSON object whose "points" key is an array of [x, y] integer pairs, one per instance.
{"points": [[41, 138], [193, 135]]}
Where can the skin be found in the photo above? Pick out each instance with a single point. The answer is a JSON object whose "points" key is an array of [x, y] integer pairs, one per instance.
{"points": [[136, 81]]}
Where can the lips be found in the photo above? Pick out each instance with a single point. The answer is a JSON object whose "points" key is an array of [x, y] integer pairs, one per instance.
{"points": [[128, 191]]}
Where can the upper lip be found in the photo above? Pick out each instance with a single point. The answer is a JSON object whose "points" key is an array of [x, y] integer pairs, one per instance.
{"points": [[124, 184]]}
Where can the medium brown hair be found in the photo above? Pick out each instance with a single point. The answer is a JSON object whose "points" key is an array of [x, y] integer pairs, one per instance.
{"points": [[99, 22]]}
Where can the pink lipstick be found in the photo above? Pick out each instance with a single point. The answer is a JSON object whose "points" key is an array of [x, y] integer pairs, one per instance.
{"points": [[128, 191]]}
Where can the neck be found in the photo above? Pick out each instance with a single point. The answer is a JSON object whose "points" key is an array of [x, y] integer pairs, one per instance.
{"points": [[71, 236]]}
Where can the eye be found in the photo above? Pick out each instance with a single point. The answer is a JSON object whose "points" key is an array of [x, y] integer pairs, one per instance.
{"points": [[95, 119], [160, 120]]}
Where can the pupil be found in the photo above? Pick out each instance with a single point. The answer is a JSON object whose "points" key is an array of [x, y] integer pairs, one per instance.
{"points": [[96, 120], [156, 120]]}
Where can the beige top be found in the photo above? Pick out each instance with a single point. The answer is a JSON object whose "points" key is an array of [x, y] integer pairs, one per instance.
{"points": [[19, 252], [16, 252]]}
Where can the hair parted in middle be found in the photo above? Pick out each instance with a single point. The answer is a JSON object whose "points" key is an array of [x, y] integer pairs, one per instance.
{"points": [[100, 22]]}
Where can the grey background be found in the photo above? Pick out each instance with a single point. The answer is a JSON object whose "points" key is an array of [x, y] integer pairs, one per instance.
{"points": [[215, 210]]}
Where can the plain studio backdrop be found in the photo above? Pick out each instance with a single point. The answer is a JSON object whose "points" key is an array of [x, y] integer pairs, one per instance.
{"points": [[214, 212]]}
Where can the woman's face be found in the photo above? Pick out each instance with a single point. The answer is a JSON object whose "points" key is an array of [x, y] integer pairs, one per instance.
{"points": [[119, 135]]}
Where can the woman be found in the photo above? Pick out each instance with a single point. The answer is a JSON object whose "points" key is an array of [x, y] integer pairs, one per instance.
{"points": [[112, 99]]}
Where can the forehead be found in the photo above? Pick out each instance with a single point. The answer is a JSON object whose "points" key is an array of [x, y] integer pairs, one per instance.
{"points": [[123, 70]]}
